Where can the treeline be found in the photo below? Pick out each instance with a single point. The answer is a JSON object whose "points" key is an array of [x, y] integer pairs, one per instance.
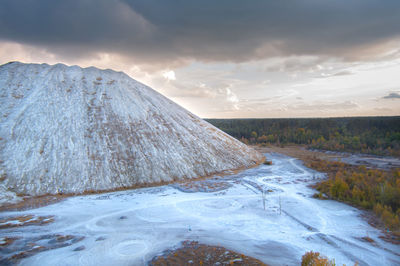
{"points": [[374, 135], [373, 189]]}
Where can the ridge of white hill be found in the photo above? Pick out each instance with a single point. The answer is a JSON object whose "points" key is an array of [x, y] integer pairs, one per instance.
{"points": [[70, 129]]}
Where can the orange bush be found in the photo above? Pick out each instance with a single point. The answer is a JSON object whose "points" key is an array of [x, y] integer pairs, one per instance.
{"points": [[315, 259]]}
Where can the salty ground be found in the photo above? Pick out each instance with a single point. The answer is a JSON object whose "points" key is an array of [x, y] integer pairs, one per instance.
{"points": [[131, 227], [373, 161]]}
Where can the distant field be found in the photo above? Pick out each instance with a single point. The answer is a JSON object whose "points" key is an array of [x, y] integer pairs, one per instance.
{"points": [[374, 135]]}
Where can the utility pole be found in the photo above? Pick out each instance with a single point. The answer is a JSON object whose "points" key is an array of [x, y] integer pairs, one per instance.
{"points": [[263, 194], [280, 205]]}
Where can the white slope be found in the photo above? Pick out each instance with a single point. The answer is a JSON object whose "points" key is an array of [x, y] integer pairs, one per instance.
{"points": [[71, 129]]}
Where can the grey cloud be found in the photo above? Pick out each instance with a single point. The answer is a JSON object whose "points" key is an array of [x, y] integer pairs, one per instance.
{"points": [[392, 95], [265, 99], [254, 103], [329, 106], [338, 74], [188, 89], [182, 90], [293, 64], [225, 30], [382, 109], [343, 73]]}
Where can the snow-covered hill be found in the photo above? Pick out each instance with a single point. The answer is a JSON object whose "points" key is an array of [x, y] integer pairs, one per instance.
{"points": [[71, 130]]}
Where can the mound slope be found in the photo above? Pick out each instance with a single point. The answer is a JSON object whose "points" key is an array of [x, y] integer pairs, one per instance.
{"points": [[70, 129]]}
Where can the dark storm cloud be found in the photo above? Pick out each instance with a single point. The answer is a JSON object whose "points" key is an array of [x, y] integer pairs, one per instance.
{"points": [[392, 95], [207, 30]]}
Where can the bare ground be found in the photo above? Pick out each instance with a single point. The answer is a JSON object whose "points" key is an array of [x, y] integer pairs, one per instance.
{"points": [[193, 253]]}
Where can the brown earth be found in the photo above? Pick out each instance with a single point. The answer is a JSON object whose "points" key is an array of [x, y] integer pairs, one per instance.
{"points": [[298, 151], [193, 253], [6, 241], [25, 220], [33, 202], [16, 248]]}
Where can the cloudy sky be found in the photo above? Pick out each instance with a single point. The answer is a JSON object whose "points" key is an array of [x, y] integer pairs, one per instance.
{"points": [[225, 58]]}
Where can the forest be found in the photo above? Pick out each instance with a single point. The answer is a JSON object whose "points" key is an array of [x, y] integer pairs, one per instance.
{"points": [[372, 135]]}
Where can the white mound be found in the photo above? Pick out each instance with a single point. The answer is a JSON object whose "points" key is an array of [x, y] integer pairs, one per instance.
{"points": [[71, 130]]}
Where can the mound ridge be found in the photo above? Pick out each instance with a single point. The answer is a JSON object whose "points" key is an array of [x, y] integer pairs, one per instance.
{"points": [[70, 129]]}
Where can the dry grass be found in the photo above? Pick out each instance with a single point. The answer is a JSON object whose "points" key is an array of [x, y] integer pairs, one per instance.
{"points": [[367, 239], [16, 249], [6, 241], [193, 253], [33, 202], [299, 152], [63, 238], [24, 254], [25, 220]]}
